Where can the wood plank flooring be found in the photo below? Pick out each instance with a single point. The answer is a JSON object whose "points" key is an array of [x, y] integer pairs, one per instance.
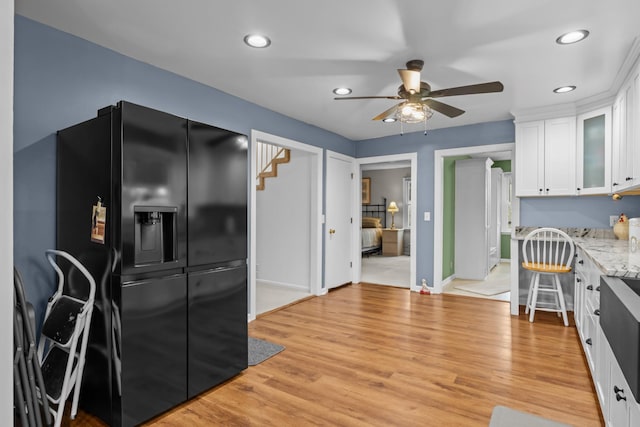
{"points": [[368, 355]]}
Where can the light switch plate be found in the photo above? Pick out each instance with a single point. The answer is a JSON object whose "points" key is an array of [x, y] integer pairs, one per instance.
{"points": [[427, 216]]}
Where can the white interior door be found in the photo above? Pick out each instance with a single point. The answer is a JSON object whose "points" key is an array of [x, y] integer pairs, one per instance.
{"points": [[338, 226]]}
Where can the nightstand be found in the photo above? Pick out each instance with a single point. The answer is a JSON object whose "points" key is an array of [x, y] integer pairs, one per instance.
{"points": [[392, 241]]}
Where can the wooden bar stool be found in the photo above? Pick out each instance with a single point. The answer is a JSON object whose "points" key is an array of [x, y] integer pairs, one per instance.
{"points": [[547, 252]]}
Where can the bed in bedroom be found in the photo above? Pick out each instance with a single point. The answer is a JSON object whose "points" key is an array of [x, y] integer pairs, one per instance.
{"points": [[374, 218]]}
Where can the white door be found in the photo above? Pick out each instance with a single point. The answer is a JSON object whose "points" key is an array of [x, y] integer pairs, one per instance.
{"points": [[338, 225]]}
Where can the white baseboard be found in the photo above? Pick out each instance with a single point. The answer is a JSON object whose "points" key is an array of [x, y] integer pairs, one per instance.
{"points": [[447, 280], [282, 284]]}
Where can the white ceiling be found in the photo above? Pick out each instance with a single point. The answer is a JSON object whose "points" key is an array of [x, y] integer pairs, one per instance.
{"points": [[317, 46]]}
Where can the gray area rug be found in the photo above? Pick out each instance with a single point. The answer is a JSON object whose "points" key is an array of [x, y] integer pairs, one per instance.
{"points": [[507, 417], [261, 350]]}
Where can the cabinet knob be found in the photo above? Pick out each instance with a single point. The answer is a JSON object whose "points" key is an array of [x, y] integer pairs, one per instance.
{"points": [[581, 262], [598, 289], [615, 183], [617, 390], [588, 341], [547, 190], [628, 178], [590, 287], [596, 312], [578, 189], [540, 190], [332, 231], [578, 279]]}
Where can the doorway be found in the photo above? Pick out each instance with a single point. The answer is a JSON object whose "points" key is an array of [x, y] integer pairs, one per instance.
{"points": [[285, 233], [444, 272], [388, 265]]}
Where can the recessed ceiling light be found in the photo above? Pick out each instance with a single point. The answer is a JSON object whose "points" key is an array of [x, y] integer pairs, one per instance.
{"points": [[572, 37], [257, 40], [564, 89], [389, 120], [342, 91]]}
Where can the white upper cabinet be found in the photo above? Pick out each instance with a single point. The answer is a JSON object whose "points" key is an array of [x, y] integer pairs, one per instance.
{"points": [[546, 157], [626, 136], [529, 158], [593, 147]]}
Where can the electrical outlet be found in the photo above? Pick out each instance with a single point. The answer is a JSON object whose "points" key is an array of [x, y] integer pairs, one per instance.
{"points": [[612, 220]]}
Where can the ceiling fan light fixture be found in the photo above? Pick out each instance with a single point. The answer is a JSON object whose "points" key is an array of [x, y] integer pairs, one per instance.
{"points": [[564, 89], [572, 37], [342, 91], [257, 40], [414, 112], [389, 120]]}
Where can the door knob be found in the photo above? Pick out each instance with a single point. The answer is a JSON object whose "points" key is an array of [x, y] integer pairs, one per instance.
{"points": [[332, 231]]}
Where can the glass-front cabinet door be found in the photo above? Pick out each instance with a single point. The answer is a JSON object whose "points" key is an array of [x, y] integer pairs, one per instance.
{"points": [[594, 152]]}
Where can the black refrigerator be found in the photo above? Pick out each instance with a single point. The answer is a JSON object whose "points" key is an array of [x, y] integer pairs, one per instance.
{"points": [[155, 206]]}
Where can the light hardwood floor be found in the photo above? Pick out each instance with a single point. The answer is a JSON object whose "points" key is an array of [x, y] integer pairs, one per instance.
{"points": [[367, 355]]}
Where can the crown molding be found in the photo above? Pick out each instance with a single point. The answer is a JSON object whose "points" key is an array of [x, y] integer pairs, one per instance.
{"points": [[627, 66]]}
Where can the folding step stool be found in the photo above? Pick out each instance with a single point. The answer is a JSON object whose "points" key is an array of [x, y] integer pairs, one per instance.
{"points": [[67, 320]]}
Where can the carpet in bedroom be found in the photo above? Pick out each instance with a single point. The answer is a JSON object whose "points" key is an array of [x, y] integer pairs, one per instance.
{"points": [[386, 270]]}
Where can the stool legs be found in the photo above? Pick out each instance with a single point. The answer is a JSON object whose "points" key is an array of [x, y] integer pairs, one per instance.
{"points": [[532, 297], [561, 298], [533, 278]]}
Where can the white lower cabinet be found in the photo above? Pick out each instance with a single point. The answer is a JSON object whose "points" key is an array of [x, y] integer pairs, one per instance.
{"points": [[602, 374], [620, 407]]}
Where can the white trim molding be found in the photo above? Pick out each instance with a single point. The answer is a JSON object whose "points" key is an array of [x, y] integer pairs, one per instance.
{"points": [[439, 156], [413, 160], [315, 285]]}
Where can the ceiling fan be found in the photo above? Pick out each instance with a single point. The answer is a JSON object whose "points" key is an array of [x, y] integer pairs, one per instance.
{"points": [[418, 103]]}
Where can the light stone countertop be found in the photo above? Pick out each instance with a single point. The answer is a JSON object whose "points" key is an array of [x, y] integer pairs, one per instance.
{"points": [[611, 255]]}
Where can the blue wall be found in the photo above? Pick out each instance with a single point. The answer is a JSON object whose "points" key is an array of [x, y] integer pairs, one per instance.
{"points": [[61, 80], [585, 211]]}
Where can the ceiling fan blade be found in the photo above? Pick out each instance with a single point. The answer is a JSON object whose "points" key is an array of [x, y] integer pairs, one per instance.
{"points": [[387, 113], [410, 80], [368, 97], [443, 108], [468, 90]]}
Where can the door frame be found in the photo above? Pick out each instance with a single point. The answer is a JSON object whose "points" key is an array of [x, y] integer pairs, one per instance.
{"points": [[353, 233], [315, 256], [439, 156], [357, 256]]}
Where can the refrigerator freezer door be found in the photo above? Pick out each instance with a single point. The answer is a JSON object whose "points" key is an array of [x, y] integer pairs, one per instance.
{"points": [[218, 172], [154, 174], [153, 342], [217, 326]]}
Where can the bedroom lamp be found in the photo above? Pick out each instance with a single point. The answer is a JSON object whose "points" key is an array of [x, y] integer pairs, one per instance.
{"points": [[393, 208]]}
